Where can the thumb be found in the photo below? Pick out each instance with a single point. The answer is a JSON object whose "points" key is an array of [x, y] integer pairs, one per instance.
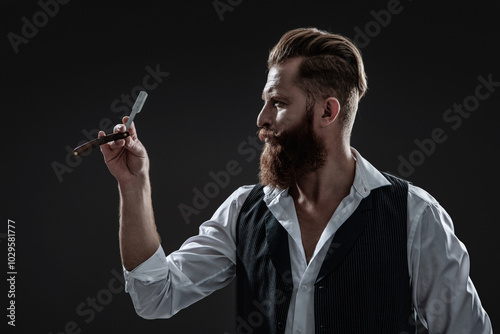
{"points": [[134, 146], [132, 142]]}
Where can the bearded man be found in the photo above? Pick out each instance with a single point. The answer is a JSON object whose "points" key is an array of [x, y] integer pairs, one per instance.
{"points": [[325, 243]]}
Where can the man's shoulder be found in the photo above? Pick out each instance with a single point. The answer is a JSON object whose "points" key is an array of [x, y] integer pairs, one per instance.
{"points": [[422, 195], [394, 179], [241, 194], [422, 204], [247, 188], [419, 199], [415, 191]]}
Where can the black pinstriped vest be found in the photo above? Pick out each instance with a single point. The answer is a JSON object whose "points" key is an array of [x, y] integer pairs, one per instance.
{"points": [[363, 285]]}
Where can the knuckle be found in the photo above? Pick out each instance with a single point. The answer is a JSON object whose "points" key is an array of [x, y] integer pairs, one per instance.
{"points": [[118, 128]]}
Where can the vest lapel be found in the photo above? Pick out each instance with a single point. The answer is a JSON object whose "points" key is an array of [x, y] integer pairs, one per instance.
{"points": [[345, 238], [277, 242]]}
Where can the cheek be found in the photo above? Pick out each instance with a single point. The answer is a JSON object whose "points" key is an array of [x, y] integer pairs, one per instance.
{"points": [[281, 116], [282, 121], [286, 118]]}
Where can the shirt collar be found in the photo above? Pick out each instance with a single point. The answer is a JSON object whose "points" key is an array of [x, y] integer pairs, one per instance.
{"points": [[366, 179]]}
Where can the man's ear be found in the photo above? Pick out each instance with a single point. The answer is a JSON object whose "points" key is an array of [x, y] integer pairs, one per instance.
{"points": [[331, 109]]}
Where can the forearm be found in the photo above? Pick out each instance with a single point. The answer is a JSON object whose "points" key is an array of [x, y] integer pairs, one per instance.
{"points": [[138, 236]]}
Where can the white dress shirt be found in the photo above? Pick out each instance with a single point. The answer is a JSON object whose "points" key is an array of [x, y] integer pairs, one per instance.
{"points": [[442, 292]]}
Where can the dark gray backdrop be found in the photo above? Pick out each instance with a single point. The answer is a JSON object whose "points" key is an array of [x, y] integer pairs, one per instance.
{"points": [[75, 65]]}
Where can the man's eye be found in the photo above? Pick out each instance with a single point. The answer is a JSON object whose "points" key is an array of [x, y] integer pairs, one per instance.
{"points": [[278, 104]]}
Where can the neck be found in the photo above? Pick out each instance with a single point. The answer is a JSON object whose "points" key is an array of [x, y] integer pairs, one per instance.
{"points": [[332, 182]]}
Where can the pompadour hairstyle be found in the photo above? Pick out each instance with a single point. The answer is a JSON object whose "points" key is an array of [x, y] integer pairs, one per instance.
{"points": [[331, 66]]}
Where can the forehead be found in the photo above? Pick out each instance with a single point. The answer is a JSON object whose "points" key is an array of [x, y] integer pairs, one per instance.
{"points": [[281, 77]]}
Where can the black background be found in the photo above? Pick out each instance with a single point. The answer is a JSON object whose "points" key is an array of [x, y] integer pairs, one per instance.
{"points": [[65, 78]]}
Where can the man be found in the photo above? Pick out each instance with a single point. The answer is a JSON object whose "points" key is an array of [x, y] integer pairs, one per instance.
{"points": [[325, 243]]}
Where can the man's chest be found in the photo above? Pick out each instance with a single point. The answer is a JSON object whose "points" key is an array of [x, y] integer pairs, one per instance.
{"points": [[312, 222]]}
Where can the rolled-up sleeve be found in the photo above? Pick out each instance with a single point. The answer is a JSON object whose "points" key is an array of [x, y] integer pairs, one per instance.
{"points": [[163, 285], [444, 295]]}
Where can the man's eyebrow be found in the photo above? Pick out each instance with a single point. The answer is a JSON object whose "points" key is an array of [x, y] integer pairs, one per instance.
{"points": [[266, 92], [272, 94]]}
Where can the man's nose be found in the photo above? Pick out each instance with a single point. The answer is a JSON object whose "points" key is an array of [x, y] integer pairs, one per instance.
{"points": [[265, 116]]}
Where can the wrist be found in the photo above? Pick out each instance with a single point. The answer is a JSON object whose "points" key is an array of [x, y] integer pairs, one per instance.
{"points": [[136, 184]]}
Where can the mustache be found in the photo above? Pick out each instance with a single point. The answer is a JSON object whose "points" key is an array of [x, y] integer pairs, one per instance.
{"points": [[264, 133]]}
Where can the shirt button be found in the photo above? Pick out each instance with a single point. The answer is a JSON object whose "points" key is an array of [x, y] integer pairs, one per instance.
{"points": [[304, 287]]}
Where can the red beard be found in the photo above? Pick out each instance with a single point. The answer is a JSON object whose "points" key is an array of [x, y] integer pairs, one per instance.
{"points": [[289, 155]]}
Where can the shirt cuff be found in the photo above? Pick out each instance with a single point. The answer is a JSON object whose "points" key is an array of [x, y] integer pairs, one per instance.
{"points": [[150, 271]]}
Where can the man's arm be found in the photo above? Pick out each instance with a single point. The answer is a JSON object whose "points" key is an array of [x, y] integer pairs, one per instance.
{"points": [[162, 285], [444, 296], [128, 162]]}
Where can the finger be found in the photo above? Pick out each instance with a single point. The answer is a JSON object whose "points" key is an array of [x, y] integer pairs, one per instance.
{"points": [[132, 142], [120, 142], [114, 145], [124, 120], [119, 128], [105, 149], [132, 130]]}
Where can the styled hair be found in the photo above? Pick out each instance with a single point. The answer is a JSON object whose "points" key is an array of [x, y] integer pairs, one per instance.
{"points": [[331, 66]]}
